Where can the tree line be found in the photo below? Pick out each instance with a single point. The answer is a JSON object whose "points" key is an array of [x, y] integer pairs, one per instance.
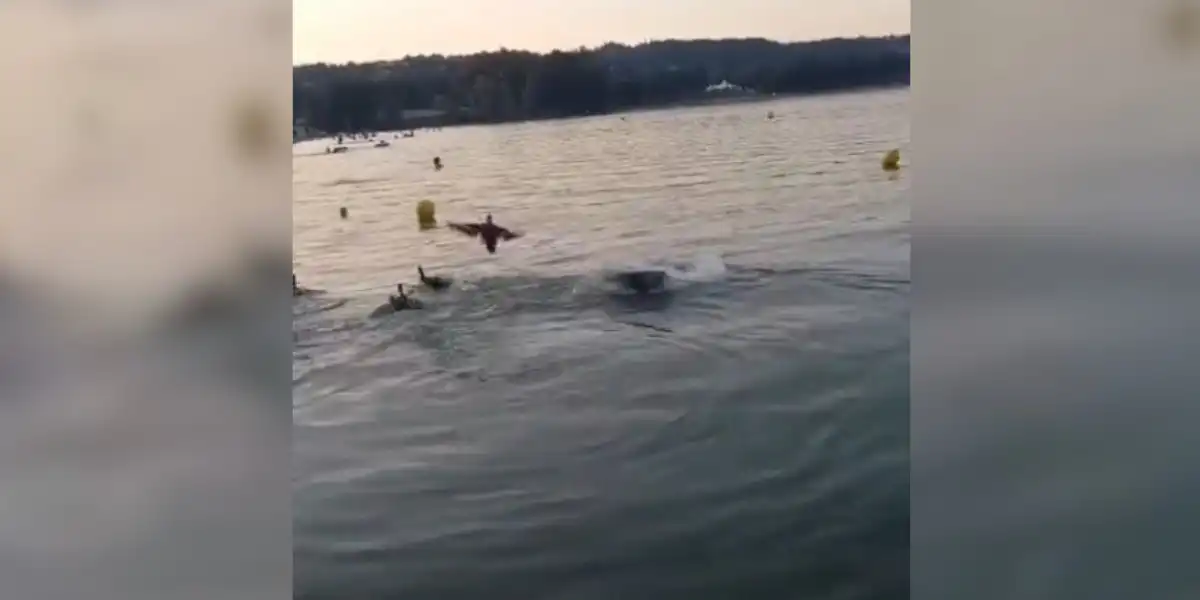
{"points": [[508, 85]]}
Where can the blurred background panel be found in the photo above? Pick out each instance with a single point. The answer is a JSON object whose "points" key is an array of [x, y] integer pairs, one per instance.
{"points": [[1054, 335], [144, 232]]}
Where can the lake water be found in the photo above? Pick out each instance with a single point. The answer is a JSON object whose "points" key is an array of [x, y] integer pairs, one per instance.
{"points": [[538, 433]]}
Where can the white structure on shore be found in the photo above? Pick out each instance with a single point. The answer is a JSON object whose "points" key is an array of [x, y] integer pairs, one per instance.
{"points": [[727, 89]]}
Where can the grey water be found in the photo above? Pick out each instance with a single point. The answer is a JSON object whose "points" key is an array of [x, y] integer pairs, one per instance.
{"points": [[538, 433]]}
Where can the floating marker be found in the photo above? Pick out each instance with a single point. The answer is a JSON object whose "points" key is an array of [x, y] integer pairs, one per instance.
{"points": [[891, 160], [426, 214]]}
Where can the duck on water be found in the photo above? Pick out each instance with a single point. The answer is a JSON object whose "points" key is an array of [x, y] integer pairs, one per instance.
{"points": [[435, 282], [397, 302], [298, 291], [401, 301]]}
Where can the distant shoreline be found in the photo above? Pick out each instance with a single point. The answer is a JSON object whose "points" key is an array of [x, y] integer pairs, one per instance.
{"points": [[509, 86], [757, 99], [698, 103]]}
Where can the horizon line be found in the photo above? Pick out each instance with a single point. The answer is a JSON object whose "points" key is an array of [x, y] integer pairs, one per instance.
{"points": [[598, 46]]}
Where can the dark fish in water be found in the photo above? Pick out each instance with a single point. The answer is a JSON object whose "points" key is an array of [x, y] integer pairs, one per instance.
{"points": [[642, 282]]}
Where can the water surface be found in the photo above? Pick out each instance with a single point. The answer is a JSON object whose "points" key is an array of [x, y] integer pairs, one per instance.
{"points": [[537, 433]]}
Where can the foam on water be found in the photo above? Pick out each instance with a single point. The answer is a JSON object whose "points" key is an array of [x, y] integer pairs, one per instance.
{"points": [[705, 267]]}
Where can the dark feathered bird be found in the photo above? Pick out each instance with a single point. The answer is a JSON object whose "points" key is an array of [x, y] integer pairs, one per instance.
{"points": [[437, 283]]}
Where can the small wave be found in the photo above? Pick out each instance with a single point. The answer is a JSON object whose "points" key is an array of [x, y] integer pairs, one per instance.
{"points": [[353, 181], [312, 304]]}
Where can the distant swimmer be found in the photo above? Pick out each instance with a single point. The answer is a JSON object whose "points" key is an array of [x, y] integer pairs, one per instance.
{"points": [[491, 233], [437, 163], [437, 283]]}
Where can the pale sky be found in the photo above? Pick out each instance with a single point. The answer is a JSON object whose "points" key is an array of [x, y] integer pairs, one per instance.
{"points": [[366, 30]]}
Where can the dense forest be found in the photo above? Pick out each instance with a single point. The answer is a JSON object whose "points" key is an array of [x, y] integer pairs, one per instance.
{"points": [[509, 85]]}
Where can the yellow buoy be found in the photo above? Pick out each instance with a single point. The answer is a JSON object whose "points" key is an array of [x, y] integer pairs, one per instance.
{"points": [[891, 160], [425, 214]]}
